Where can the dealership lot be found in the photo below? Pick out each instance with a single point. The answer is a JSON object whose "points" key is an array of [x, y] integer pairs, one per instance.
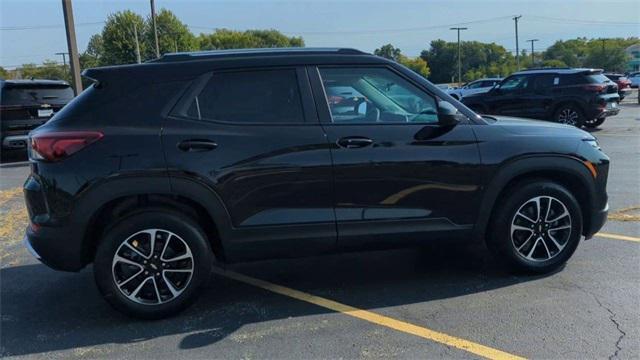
{"points": [[437, 301]]}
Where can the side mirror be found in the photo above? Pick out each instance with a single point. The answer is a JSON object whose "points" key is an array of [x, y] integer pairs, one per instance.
{"points": [[448, 115]]}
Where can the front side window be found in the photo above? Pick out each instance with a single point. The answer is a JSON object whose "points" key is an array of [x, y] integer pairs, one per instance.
{"points": [[514, 83], [475, 85], [260, 96], [375, 95]]}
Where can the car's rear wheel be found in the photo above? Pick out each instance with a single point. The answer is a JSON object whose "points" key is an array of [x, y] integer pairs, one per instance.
{"points": [[594, 123], [536, 228], [569, 114], [152, 264]]}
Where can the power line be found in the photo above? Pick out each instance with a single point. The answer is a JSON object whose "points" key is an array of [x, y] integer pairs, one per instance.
{"points": [[34, 27], [375, 31], [579, 21]]}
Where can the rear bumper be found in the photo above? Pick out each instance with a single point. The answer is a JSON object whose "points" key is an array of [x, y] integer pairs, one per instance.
{"points": [[15, 141], [54, 247]]}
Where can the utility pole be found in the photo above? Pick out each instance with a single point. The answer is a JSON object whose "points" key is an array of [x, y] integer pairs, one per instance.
{"points": [[135, 35], [74, 59], [64, 60], [516, 18], [155, 28], [533, 58], [459, 58]]}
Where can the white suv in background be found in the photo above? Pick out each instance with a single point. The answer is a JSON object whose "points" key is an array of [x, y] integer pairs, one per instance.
{"points": [[474, 87]]}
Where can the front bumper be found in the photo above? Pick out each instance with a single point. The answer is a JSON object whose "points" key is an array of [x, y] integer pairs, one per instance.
{"points": [[598, 219]]}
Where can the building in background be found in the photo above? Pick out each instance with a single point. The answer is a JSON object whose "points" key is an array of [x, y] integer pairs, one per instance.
{"points": [[634, 57]]}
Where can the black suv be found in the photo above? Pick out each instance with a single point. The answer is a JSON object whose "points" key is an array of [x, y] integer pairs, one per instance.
{"points": [[27, 104], [159, 168], [570, 96]]}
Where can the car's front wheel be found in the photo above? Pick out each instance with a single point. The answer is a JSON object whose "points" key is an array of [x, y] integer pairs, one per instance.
{"points": [[152, 264], [536, 228]]}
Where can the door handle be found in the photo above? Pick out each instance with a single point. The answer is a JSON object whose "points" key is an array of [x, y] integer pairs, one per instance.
{"points": [[352, 142], [197, 145]]}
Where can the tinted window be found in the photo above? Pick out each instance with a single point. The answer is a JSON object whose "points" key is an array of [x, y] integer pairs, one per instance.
{"points": [[515, 83], [597, 78], [544, 82], [475, 85], [375, 95], [30, 95], [267, 96]]}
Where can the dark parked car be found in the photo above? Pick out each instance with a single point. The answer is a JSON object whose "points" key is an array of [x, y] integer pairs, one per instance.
{"points": [[27, 104], [624, 84], [160, 167], [570, 96]]}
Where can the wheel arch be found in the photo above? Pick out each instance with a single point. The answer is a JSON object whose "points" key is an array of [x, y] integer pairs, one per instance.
{"points": [[102, 204], [567, 171]]}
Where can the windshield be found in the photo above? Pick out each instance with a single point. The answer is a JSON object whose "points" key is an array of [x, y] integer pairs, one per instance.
{"points": [[35, 95]]}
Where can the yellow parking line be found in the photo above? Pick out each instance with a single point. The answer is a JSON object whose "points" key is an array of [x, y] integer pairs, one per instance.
{"points": [[469, 346], [618, 237]]}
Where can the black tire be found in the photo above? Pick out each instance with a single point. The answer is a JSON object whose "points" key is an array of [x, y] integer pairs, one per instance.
{"points": [[569, 114], [592, 124], [545, 257], [188, 240]]}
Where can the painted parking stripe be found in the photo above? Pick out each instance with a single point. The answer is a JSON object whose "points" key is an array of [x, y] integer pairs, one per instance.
{"points": [[618, 237], [436, 336]]}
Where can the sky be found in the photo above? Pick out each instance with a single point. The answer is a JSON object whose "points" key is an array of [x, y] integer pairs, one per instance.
{"points": [[33, 30]]}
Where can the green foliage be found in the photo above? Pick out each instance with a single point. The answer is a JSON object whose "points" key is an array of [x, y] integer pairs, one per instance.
{"points": [[4, 74], [92, 56], [118, 40], [478, 60], [48, 70], [231, 39], [173, 35], [606, 54], [388, 51], [416, 64]]}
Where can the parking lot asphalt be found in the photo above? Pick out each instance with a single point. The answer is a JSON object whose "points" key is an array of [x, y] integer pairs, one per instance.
{"points": [[438, 301]]}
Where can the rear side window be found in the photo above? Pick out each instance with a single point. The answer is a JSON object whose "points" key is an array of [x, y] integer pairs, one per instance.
{"points": [[544, 82], [597, 78], [29, 95], [260, 96]]}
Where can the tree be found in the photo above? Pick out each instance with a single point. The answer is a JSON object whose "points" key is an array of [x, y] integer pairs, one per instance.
{"points": [[416, 64], [4, 74], [48, 70], [231, 39], [173, 35], [92, 56], [388, 51], [118, 39]]}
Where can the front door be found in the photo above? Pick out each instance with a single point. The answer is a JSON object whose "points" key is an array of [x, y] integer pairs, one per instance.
{"points": [[511, 98], [398, 174]]}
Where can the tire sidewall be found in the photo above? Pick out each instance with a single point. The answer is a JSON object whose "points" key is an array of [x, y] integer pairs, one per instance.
{"points": [[500, 240], [191, 233]]}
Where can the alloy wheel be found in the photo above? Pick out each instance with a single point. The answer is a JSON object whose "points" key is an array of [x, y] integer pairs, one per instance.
{"points": [[541, 228], [152, 266], [568, 116]]}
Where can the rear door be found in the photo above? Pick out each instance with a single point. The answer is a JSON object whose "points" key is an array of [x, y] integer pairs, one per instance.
{"points": [[511, 98], [399, 176], [253, 137]]}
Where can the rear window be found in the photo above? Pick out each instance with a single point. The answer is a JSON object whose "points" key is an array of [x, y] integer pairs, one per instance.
{"points": [[596, 78], [35, 95], [255, 96]]}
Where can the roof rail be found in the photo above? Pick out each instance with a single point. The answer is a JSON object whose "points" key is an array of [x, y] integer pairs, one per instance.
{"points": [[193, 55]]}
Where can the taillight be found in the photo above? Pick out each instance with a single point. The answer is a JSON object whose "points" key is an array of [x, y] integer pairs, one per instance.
{"points": [[54, 146], [595, 87]]}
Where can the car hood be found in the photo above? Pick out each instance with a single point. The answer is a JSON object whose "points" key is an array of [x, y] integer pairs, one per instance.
{"points": [[521, 126]]}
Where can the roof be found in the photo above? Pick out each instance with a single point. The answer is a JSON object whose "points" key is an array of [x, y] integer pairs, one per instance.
{"points": [[260, 52], [34, 82], [567, 71]]}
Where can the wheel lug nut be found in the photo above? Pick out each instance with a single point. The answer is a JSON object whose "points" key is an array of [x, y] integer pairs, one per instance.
{"points": [[157, 274], [146, 273]]}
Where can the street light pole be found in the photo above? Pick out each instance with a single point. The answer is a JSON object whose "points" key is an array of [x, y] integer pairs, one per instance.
{"points": [[516, 18], [533, 59], [74, 59], [155, 28], [459, 58]]}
